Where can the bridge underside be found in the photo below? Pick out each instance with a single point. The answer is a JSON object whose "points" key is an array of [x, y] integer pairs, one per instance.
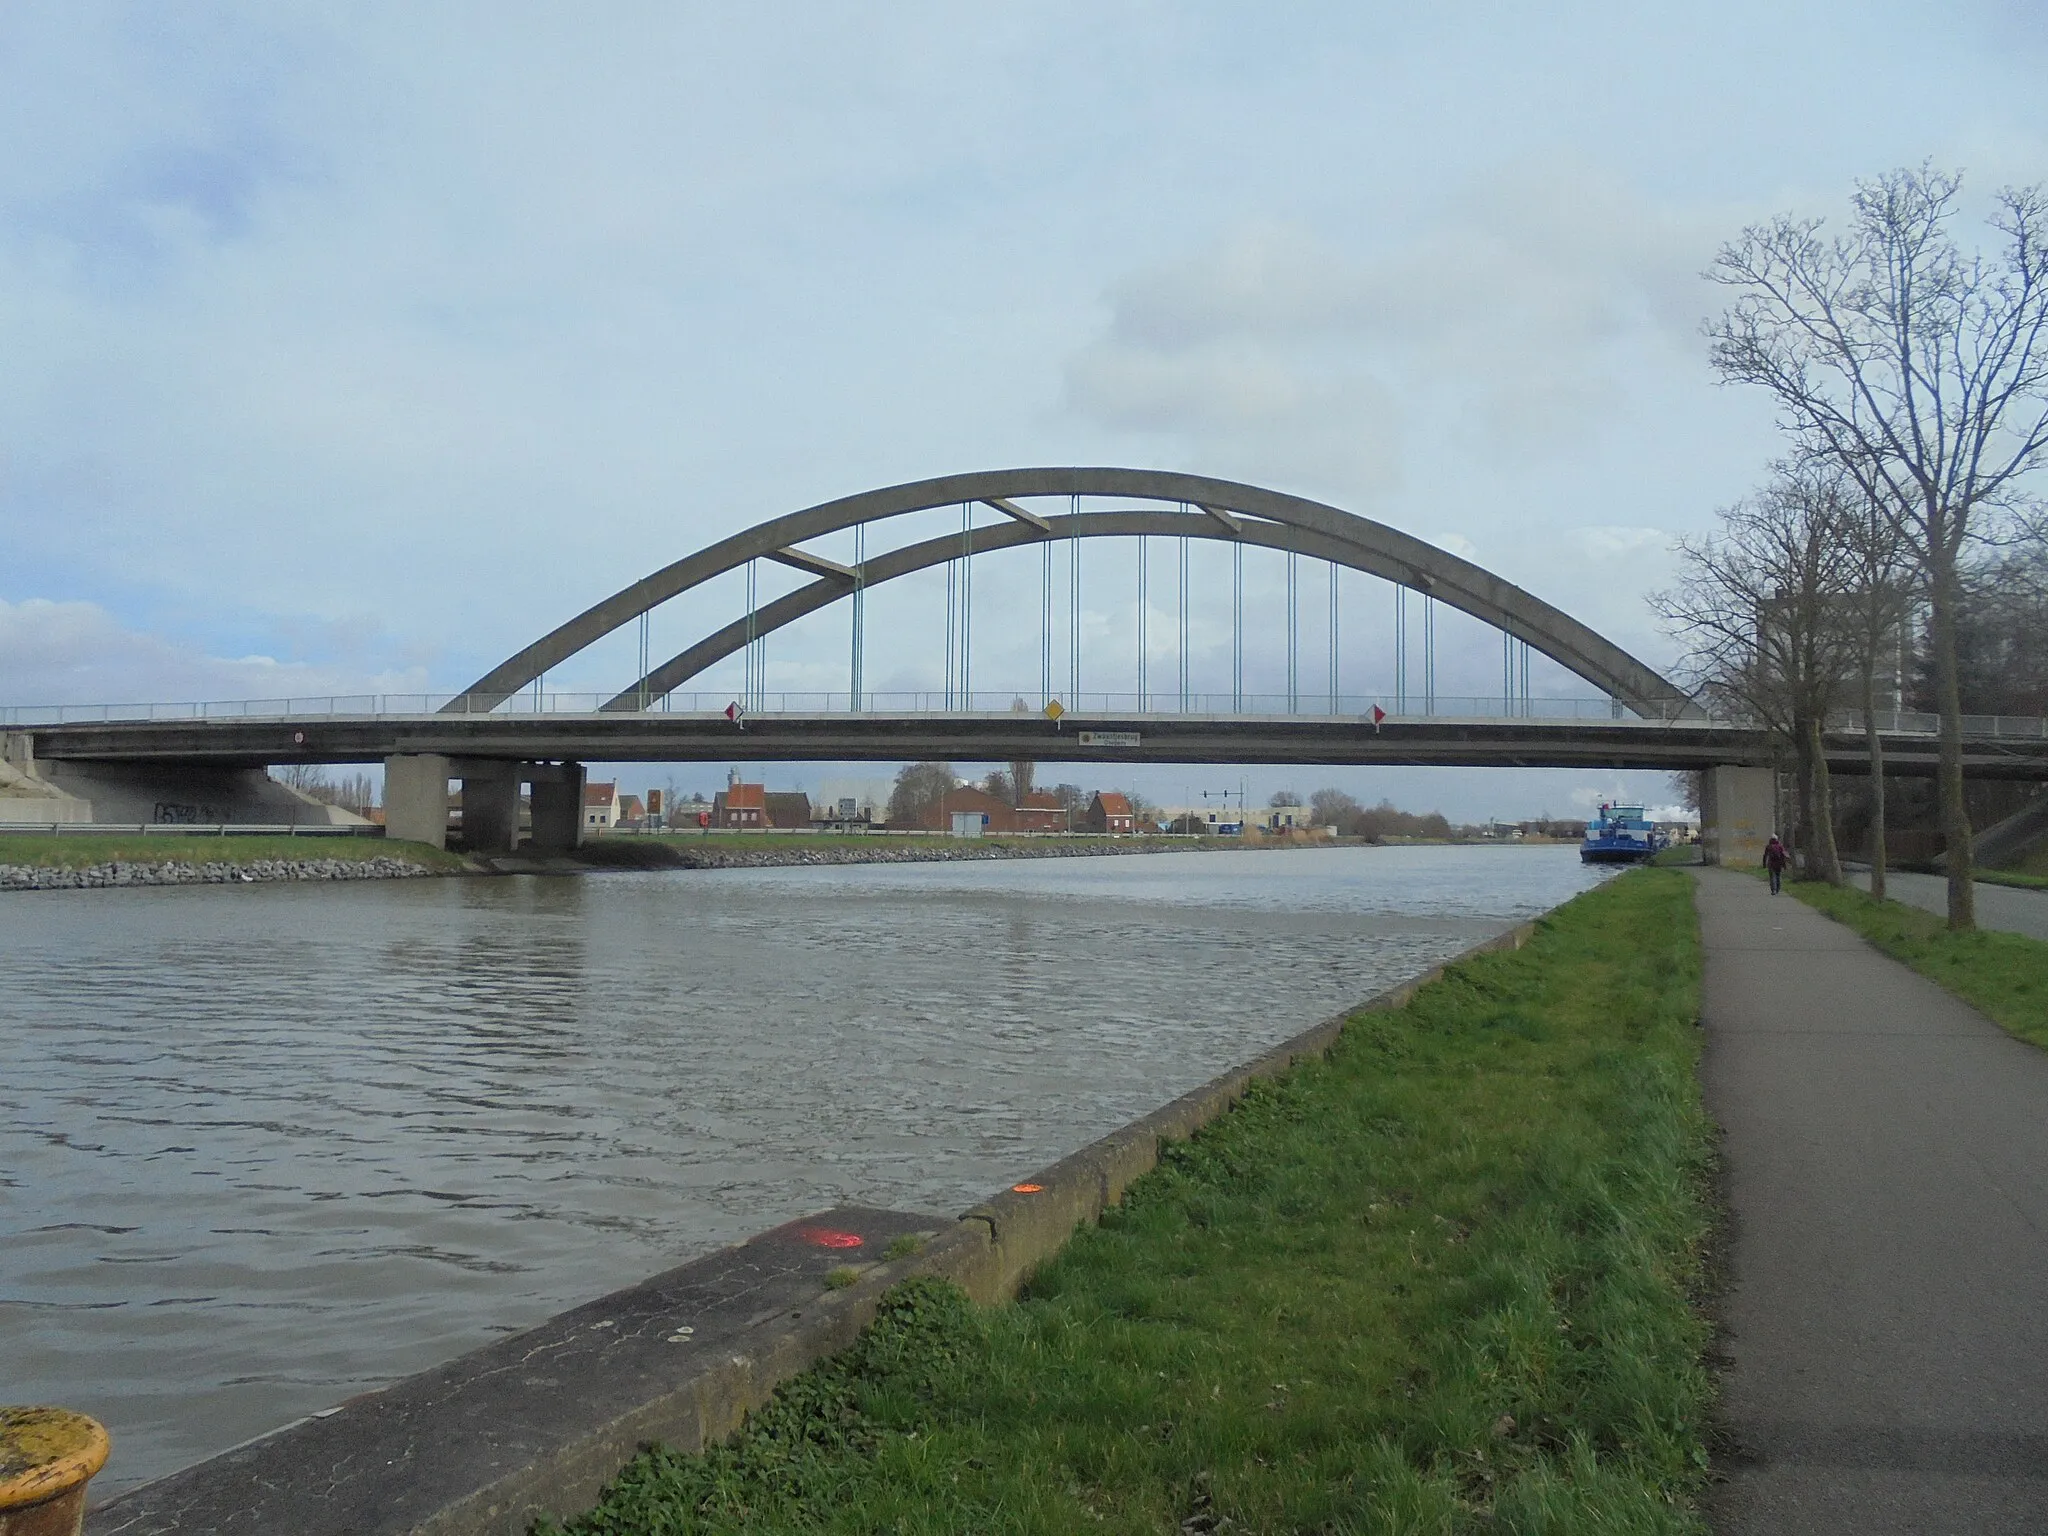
{"points": [[845, 737]]}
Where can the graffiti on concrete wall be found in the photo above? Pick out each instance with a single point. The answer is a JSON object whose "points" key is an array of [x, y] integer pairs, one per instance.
{"points": [[172, 813]]}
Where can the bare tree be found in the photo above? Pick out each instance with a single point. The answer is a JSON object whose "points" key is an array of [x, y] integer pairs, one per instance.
{"points": [[1023, 770], [2002, 635], [1073, 800], [1762, 607], [1332, 808], [1921, 371], [1689, 786], [1877, 608], [351, 791], [919, 786]]}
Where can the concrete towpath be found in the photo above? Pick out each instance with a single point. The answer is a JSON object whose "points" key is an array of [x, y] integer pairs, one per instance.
{"points": [[2010, 908], [1887, 1164]]}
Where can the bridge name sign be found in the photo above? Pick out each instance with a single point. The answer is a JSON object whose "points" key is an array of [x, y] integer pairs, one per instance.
{"points": [[1109, 738]]}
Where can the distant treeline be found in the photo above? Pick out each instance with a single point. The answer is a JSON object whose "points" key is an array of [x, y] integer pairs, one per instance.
{"points": [[1385, 822]]}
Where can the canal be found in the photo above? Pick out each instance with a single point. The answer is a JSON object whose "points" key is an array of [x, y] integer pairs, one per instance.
{"points": [[265, 1147]]}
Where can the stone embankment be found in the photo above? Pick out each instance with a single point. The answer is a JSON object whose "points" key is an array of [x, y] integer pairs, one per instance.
{"points": [[764, 858], [30, 877]]}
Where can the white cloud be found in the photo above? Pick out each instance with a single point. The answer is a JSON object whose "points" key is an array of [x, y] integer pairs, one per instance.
{"points": [[78, 653], [1510, 328], [1614, 540], [408, 332]]}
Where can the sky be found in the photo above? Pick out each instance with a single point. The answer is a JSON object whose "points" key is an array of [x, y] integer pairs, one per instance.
{"points": [[348, 349]]}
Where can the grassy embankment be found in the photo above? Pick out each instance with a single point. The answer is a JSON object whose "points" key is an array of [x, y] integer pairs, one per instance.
{"points": [[2031, 873], [2003, 975], [84, 850], [1443, 1281], [2018, 877]]}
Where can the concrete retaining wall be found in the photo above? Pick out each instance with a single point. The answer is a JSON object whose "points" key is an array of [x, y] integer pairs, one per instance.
{"points": [[130, 792], [538, 1423]]}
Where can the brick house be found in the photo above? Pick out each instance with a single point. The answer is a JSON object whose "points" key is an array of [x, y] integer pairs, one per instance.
{"points": [[1041, 812], [1109, 812], [938, 816], [741, 807], [791, 808]]}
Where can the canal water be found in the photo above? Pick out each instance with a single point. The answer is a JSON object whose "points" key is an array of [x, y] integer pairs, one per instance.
{"points": [[265, 1147]]}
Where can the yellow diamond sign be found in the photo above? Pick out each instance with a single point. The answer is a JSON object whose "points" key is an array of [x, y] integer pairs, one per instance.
{"points": [[1054, 710]]}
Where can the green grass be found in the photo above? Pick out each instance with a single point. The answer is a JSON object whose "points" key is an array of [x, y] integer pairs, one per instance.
{"points": [[1443, 1281], [2030, 873], [2003, 975], [1677, 856], [82, 850], [2016, 877]]}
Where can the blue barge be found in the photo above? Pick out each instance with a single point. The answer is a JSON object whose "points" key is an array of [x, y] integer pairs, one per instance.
{"points": [[1620, 834]]}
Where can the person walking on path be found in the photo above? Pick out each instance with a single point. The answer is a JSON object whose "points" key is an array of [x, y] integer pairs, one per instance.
{"points": [[1775, 860], [1885, 1319]]}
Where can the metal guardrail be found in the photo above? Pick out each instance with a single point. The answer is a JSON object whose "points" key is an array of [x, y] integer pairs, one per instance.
{"points": [[1301, 704], [934, 701]]}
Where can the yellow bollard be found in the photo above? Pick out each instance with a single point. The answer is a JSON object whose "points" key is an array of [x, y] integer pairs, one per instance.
{"points": [[47, 1456]]}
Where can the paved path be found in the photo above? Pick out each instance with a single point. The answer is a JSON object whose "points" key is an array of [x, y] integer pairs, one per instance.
{"points": [[1887, 1161], [1998, 906]]}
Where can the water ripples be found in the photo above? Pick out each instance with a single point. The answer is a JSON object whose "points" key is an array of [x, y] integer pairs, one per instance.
{"points": [[264, 1147]]}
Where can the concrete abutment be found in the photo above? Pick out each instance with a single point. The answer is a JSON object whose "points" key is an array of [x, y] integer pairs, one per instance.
{"points": [[558, 809], [1738, 814], [416, 801], [490, 806], [416, 798]]}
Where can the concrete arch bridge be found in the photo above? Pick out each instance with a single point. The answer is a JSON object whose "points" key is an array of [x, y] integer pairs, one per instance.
{"points": [[505, 729]]}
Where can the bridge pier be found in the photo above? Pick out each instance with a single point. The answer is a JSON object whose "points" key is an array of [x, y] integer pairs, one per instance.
{"points": [[1738, 814], [416, 797], [490, 807], [557, 807]]}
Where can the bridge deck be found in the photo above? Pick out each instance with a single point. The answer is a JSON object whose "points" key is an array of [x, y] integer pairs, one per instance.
{"points": [[995, 736]]}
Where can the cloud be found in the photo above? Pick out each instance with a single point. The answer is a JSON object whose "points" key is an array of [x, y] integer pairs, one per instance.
{"points": [[418, 325], [78, 653], [1508, 328], [1613, 540]]}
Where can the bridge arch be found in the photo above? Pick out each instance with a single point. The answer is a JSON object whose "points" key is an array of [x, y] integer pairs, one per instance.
{"points": [[1227, 510]]}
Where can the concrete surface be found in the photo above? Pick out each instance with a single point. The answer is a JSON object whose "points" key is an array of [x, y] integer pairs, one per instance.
{"points": [[88, 792], [539, 1422], [558, 810], [2004, 843], [1887, 1165], [490, 809], [416, 797], [1738, 814], [2005, 907], [999, 736], [1210, 509]]}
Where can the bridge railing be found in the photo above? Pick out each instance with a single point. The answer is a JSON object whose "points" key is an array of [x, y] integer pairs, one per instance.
{"points": [[932, 701], [938, 701]]}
